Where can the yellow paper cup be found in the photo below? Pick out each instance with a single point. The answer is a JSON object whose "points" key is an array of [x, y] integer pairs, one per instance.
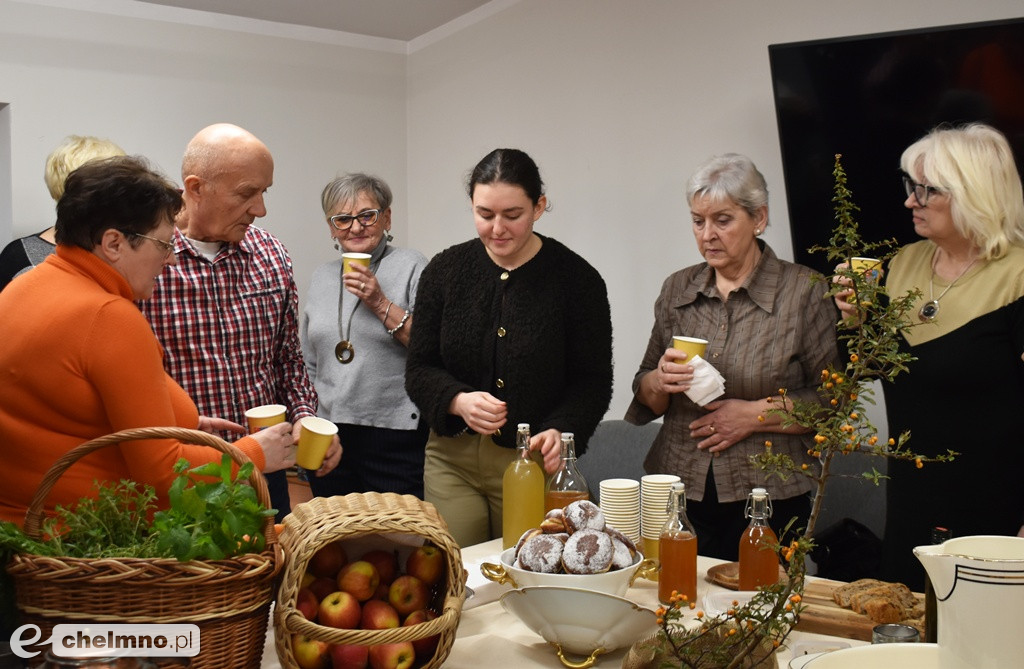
{"points": [[349, 259], [691, 346], [264, 416], [315, 437], [869, 267]]}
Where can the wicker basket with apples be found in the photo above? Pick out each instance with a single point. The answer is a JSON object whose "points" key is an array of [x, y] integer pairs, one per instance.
{"points": [[371, 580]]}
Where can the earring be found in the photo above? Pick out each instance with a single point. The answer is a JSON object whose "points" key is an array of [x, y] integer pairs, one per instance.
{"points": [[336, 246], [387, 234]]}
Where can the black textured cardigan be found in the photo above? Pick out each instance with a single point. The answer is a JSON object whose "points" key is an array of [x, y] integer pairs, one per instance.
{"points": [[538, 337]]}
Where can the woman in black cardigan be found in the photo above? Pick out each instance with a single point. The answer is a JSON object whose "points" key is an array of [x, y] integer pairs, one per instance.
{"points": [[511, 327]]}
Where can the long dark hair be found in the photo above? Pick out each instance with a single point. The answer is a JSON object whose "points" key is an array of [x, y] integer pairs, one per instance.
{"points": [[509, 166]]}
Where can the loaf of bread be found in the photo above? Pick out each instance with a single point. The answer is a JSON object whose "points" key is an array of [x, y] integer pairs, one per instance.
{"points": [[880, 601]]}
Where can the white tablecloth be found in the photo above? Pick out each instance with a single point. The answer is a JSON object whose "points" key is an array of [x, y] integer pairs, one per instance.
{"points": [[487, 631]]}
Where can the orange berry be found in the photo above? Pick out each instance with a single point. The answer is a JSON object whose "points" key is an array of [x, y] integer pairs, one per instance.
{"points": [[833, 402], [819, 439], [768, 443], [700, 614], [854, 357], [892, 442], [796, 599], [918, 463], [804, 467], [731, 632]]}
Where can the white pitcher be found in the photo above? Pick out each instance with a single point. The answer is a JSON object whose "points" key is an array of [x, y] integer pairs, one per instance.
{"points": [[979, 588]]}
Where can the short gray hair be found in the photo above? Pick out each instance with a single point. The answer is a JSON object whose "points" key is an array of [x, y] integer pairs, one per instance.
{"points": [[348, 187], [729, 176]]}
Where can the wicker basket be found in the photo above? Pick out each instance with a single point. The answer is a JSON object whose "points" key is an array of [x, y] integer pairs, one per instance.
{"points": [[229, 600], [388, 517]]}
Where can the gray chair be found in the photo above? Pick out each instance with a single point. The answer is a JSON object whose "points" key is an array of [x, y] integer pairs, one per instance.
{"points": [[617, 450]]}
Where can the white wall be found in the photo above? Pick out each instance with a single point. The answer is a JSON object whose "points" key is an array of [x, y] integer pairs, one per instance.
{"points": [[149, 86], [618, 101]]}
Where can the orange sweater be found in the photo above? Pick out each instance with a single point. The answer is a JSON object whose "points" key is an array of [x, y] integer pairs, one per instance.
{"points": [[78, 361]]}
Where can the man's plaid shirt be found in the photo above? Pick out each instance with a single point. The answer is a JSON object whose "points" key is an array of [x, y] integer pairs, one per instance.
{"points": [[230, 328]]}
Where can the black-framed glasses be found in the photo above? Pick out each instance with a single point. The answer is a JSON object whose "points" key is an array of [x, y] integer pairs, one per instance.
{"points": [[366, 218], [921, 192], [168, 247]]}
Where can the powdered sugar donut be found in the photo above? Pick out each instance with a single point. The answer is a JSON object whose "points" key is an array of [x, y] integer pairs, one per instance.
{"points": [[587, 552], [615, 534], [622, 557], [583, 515], [542, 554]]}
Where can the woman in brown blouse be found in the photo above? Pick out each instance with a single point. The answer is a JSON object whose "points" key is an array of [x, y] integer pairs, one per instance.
{"points": [[768, 327]]}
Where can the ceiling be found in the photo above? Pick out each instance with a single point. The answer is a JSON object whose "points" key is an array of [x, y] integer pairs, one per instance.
{"points": [[402, 20]]}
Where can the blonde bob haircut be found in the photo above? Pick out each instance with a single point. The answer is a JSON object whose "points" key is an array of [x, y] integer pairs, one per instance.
{"points": [[974, 164], [72, 153]]}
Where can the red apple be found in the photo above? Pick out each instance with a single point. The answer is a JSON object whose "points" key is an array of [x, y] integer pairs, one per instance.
{"points": [[307, 603], [407, 594], [359, 578], [378, 615], [341, 610], [329, 560], [392, 655], [349, 656], [426, 563], [386, 564], [309, 653], [323, 586], [424, 647]]}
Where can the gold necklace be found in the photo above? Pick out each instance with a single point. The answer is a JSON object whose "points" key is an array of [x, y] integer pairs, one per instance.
{"points": [[930, 309]]}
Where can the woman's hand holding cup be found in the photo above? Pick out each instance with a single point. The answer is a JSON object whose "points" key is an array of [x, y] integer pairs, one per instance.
{"points": [[276, 442]]}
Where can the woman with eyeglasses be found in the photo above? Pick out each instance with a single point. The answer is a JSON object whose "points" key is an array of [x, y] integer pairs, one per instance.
{"points": [[78, 360], [355, 329], [965, 390]]}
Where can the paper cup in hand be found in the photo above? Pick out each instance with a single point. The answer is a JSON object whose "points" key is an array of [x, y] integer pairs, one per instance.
{"points": [[690, 346], [869, 267], [314, 439], [264, 416], [349, 259]]}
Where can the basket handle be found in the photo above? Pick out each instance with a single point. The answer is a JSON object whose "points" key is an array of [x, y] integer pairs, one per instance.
{"points": [[34, 515]]}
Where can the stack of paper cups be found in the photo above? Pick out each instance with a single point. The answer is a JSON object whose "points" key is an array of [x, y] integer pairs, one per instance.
{"points": [[654, 494], [620, 503]]}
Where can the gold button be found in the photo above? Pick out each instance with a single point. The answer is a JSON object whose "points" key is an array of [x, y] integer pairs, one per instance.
{"points": [[497, 433], [499, 383], [504, 276], [501, 332]]}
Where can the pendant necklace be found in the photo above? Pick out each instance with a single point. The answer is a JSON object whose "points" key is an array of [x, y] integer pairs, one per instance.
{"points": [[930, 309], [345, 351]]}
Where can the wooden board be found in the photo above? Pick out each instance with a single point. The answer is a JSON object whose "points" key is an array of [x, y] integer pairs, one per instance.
{"points": [[822, 615]]}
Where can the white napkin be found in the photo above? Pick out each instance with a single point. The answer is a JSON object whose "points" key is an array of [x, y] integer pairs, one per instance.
{"points": [[707, 383]]}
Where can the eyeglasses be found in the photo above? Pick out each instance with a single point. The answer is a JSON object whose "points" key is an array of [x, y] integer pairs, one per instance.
{"points": [[168, 247], [920, 192], [344, 221]]}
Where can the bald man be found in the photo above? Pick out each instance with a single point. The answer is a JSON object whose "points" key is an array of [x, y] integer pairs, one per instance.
{"points": [[227, 311]]}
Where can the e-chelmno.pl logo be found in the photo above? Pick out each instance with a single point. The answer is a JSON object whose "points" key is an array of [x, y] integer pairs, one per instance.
{"points": [[99, 640]]}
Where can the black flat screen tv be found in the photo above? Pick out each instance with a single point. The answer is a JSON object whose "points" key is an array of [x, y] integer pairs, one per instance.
{"points": [[868, 98]]}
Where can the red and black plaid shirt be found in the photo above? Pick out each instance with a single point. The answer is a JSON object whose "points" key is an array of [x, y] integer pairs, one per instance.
{"points": [[230, 327]]}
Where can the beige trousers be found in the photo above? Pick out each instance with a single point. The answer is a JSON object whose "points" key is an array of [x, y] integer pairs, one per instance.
{"points": [[462, 478]]}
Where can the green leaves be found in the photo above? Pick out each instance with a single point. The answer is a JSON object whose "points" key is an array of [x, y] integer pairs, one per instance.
{"points": [[211, 519]]}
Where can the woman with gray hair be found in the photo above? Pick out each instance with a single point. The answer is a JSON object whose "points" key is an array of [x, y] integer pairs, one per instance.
{"points": [[355, 330], [767, 326], [964, 196]]}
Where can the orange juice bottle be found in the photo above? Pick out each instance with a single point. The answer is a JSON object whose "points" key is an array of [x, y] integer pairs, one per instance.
{"points": [[522, 492], [677, 550], [567, 484], [759, 559]]}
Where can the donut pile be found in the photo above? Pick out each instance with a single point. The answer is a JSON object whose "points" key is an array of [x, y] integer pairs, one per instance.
{"points": [[574, 540]]}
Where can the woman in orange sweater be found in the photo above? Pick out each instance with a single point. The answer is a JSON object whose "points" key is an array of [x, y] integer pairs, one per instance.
{"points": [[77, 358]]}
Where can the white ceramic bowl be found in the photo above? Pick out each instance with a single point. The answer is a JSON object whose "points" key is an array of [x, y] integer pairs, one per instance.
{"points": [[578, 621], [611, 582], [902, 655]]}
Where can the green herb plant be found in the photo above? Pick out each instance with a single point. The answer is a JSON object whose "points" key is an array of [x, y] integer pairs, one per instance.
{"points": [[211, 519], [748, 634]]}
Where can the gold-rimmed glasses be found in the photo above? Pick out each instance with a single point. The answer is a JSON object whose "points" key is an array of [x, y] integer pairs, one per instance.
{"points": [[168, 247]]}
